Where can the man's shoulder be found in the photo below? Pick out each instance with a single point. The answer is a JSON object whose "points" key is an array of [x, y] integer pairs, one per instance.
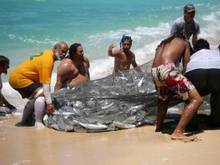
{"points": [[118, 51], [65, 66], [66, 62], [132, 54], [201, 53], [179, 20], [86, 59], [46, 55], [48, 52]]}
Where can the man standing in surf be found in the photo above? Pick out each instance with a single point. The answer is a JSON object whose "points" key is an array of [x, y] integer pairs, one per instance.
{"points": [[124, 57], [187, 24], [169, 82]]}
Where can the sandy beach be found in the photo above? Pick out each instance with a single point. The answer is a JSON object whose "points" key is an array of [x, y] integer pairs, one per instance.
{"points": [[138, 146]]}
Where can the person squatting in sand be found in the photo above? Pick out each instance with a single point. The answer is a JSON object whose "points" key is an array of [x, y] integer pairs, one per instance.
{"points": [[32, 80]]}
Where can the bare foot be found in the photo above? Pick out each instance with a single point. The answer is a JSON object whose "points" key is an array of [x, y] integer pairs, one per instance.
{"points": [[39, 125], [180, 136]]}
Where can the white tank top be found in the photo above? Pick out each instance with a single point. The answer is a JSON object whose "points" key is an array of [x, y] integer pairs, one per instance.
{"points": [[204, 59]]}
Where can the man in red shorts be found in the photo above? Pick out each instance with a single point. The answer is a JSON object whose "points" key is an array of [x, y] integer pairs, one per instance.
{"points": [[170, 81]]}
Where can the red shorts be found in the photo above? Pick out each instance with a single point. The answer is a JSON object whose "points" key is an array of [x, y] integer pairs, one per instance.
{"points": [[168, 79]]}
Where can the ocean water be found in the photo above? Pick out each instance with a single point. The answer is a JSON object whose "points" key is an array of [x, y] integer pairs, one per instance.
{"points": [[30, 26]]}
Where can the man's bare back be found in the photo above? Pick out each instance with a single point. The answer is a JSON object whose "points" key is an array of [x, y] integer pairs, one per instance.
{"points": [[171, 52], [169, 81]]}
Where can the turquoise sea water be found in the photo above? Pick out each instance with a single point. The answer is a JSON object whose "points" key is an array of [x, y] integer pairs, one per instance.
{"points": [[30, 26]]}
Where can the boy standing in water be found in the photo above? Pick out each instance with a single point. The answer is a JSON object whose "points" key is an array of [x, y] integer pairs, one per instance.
{"points": [[170, 81]]}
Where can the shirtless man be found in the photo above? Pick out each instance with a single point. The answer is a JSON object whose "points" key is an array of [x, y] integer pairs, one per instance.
{"points": [[170, 81], [74, 69], [124, 58]]}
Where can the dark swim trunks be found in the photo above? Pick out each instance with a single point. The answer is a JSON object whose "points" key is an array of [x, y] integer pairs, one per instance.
{"points": [[28, 91], [168, 79]]}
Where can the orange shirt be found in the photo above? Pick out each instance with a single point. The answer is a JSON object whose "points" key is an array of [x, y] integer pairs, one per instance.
{"points": [[37, 68]]}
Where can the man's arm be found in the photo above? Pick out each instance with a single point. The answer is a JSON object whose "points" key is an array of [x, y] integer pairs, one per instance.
{"points": [[112, 53], [186, 56], [195, 33], [4, 101], [47, 95], [64, 70], [194, 39], [87, 67], [78, 80], [87, 61], [133, 62], [59, 83], [174, 28]]}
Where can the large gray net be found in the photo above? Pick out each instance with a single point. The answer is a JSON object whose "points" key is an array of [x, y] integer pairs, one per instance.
{"points": [[124, 100]]}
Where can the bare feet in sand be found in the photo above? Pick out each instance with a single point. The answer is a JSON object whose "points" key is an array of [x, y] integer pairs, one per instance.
{"points": [[39, 125], [178, 135]]}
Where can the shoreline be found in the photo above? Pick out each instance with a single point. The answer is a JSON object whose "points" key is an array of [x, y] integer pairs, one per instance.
{"points": [[27, 145]]}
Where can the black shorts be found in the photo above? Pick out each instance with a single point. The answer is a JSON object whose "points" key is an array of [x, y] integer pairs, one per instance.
{"points": [[29, 90], [206, 82]]}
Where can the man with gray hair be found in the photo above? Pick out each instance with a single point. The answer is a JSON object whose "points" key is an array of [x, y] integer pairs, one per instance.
{"points": [[32, 80], [187, 24]]}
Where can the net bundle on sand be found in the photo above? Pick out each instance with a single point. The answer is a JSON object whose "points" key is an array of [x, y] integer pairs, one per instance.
{"points": [[124, 100]]}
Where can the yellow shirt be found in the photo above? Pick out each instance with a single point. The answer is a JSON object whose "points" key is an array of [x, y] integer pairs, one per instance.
{"points": [[37, 68]]}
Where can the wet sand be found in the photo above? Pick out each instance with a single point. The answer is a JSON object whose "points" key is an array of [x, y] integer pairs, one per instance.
{"points": [[138, 146]]}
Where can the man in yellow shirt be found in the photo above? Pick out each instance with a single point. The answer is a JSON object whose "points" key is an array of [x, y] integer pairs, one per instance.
{"points": [[32, 80]]}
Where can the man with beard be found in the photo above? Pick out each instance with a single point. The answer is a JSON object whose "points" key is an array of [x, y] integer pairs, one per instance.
{"points": [[74, 69], [187, 24], [124, 57], [32, 80]]}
